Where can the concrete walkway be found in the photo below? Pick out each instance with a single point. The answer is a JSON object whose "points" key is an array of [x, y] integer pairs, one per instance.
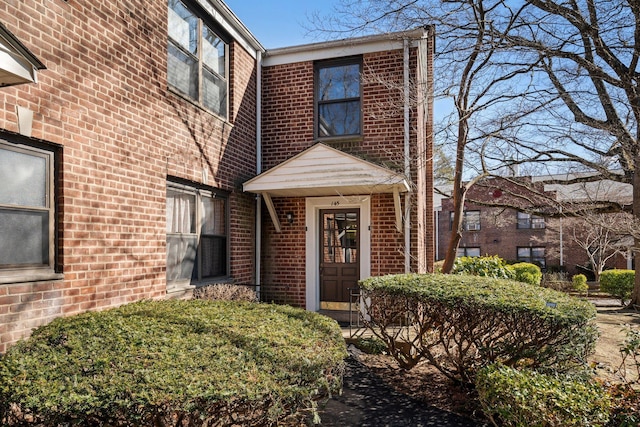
{"points": [[367, 401]]}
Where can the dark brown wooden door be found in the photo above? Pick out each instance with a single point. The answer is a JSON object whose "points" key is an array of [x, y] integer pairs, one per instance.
{"points": [[339, 253]]}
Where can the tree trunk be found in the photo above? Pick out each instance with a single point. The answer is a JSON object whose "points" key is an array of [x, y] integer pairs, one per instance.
{"points": [[635, 295]]}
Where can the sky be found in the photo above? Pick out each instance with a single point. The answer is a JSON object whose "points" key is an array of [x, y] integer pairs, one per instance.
{"points": [[279, 23]]}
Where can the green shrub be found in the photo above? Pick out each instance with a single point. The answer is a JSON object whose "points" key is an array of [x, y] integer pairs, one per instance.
{"points": [[460, 323], [618, 283], [172, 363], [528, 398], [484, 266], [226, 292], [579, 283], [527, 272]]}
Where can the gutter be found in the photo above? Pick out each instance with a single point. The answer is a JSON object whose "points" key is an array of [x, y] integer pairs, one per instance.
{"points": [[407, 153]]}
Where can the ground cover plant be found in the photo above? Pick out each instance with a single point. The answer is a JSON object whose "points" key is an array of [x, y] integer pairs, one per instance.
{"points": [[460, 323], [170, 363]]}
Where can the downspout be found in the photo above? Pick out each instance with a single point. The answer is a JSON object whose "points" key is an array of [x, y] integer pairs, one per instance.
{"points": [[407, 163], [258, 170]]}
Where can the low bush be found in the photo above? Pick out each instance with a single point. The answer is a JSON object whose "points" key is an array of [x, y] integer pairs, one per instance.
{"points": [[527, 272], [173, 363], [483, 266], [579, 283], [460, 323], [512, 397], [618, 283], [226, 292]]}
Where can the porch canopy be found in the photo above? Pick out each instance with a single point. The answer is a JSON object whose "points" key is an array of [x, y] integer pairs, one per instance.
{"points": [[17, 64], [325, 171]]}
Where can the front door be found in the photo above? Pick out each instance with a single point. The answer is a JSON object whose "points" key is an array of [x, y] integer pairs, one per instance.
{"points": [[339, 256]]}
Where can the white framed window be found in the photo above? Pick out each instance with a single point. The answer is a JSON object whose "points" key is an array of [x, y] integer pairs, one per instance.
{"points": [[528, 221], [27, 212], [470, 221], [197, 58], [197, 235]]}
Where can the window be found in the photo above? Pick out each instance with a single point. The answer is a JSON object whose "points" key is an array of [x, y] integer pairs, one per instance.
{"points": [[527, 221], [470, 221], [338, 111], [196, 235], [197, 59], [468, 252], [533, 254], [27, 211]]}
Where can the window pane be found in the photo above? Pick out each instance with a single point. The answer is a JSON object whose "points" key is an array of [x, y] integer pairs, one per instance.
{"points": [[213, 51], [23, 179], [214, 216], [181, 212], [181, 256], [25, 238], [214, 93], [182, 72], [214, 256], [537, 252], [183, 26], [342, 118], [473, 251], [339, 82]]}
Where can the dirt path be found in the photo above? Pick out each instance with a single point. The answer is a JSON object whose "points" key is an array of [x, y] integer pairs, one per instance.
{"points": [[607, 357]]}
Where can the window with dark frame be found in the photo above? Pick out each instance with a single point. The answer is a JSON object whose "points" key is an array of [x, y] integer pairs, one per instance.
{"points": [[470, 221], [197, 58], [27, 210], [468, 252], [529, 221], [197, 235], [532, 254], [338, 98]]}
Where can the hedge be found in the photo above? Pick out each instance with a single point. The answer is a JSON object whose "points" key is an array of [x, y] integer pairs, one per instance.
{"points": [[618, 283], [527, 272], [172, 363], [523, 398], [460, 323]]}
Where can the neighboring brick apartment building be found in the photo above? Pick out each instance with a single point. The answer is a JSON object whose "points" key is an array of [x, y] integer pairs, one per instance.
{"points": [[516, 235], [127, 131]]}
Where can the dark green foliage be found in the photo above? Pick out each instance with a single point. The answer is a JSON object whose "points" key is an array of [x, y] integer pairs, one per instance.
{"points": [[526, 272], [370, 345], [618, 283], [460, 323], [528, 398], [173, 363]]}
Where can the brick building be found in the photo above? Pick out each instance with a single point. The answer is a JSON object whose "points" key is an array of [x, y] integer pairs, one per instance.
{"points": [[491, 226], [139, 142]]}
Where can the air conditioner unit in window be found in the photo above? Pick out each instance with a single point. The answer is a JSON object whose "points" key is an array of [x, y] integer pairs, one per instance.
{"points": [[473, 226]]}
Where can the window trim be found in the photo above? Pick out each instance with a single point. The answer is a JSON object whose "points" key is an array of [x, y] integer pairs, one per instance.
{"points": [[530, 258], [528, 222], [317, 66], [465, 223], [199, 191], [204, 19], [31, 273]]}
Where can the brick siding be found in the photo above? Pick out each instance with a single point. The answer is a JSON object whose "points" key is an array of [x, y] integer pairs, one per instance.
{"points": [[104, 100]]}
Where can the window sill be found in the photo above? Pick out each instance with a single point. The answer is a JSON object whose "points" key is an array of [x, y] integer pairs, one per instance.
{"points": [[27, 277]]}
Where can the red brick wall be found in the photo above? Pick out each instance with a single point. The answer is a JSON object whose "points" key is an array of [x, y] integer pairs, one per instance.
{"points": [[104, 99], [288, 129]]}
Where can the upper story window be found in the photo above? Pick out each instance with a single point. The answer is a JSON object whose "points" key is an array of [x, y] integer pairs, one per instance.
{"points": [[197, 59], [27, 211], [470, 221], [338, 98], [526, 220], [197, 230]]}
